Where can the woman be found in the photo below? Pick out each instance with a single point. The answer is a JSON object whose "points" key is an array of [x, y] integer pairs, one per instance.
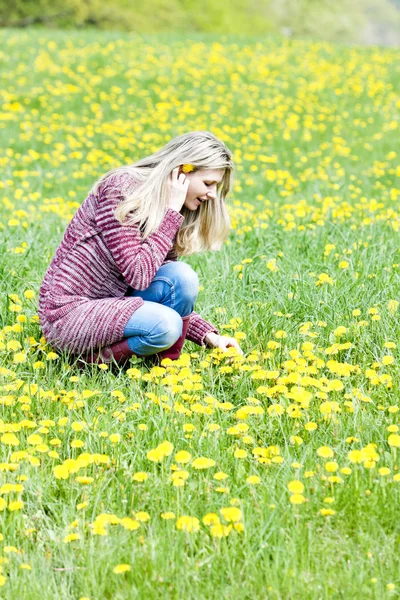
{"points": [[114, 288]]}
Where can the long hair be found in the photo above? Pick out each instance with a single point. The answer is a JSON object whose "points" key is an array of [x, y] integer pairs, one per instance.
{"points": [[203, 229]]}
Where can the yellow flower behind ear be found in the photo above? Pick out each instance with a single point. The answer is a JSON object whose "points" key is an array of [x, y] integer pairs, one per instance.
{"points": [[188, 168]]}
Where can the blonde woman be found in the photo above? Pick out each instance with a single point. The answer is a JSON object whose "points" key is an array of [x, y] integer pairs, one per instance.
{"points": [[114, 288]]}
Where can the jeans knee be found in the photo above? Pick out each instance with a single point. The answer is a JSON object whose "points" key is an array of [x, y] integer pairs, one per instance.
{"points": [[187, 281], [170, 330]]}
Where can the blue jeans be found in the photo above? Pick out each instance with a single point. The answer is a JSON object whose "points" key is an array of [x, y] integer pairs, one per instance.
{"points": [[157, 324]]}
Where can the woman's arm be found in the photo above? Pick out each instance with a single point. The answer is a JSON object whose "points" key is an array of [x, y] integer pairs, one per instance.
{"points": [[198, 329], [137, 260], [203, 333]]}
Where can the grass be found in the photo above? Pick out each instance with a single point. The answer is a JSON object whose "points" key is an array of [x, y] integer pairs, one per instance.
{"points": [[307, 282]]}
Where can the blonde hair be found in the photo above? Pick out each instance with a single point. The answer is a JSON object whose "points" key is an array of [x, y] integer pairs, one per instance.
{"points": [[145, 205]]}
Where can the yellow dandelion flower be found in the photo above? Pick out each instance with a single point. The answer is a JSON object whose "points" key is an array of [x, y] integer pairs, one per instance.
{"points": [[187, 523], [140, 476], [10, 439], [325, 452], [231, 514], [203, 463], [142, 516], [220, 476], [211, 519], [84, 480], [295, 487], [240, 453], [168, 515], [130, 524], [327, 512], [16, 505], [19, 357], [122, 568], [72, 537], [331, 466], [383, 471], [188, 168], [394, 440], [297, 499], [183, 456], [219, 530], [253, 479]]}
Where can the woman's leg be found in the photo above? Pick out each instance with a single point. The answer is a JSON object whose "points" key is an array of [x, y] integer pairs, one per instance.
{"points": [[175, 285], [152, 328]]}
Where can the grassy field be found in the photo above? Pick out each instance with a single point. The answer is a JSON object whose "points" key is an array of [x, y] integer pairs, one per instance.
{"points": [[272, 475]]}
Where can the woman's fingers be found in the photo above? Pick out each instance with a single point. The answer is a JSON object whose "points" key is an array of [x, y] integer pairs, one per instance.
{"points": [[226, 342], [179, 177]]}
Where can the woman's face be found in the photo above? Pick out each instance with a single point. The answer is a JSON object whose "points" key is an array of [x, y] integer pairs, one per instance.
{"points": [[202, 187]]}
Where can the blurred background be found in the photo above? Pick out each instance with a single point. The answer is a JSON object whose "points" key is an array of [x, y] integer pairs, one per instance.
{"points": [[348, 21]]}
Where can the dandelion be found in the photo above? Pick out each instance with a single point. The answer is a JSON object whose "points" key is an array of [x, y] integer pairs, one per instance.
{"points": [[325, 452], [140, 476], [275, 410], [220, 476], [219, 530], [297, 499], [324, 278], [394, 440], [158, 454], [310, 426], [231, 514], [331, 466], [122, 568], [187, 523], [20, 357], [339, 331], [393, 306], [384, 471], [327, 512], [84, 480], [240, 453], [203, 463], [16, 505], [9, 439], [71, 537], [183, 456], [130, 524], [253, 479], [387, 360], [295, 487], [188, 168]]}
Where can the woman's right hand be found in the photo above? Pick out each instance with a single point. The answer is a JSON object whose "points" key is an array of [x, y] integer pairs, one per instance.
{"points": [[179, 184]]}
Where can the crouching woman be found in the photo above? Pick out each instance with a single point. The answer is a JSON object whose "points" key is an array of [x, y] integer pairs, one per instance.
{"points": [[114, 287]]}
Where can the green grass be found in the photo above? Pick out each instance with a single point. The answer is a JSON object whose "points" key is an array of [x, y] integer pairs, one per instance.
{"points": [[314, 132]]}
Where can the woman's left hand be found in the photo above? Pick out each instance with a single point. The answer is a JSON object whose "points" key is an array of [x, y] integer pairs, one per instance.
{"points": [[222, 341]]}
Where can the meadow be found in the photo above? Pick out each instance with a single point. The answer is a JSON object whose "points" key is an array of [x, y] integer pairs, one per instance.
{"points": [[269, 475]]}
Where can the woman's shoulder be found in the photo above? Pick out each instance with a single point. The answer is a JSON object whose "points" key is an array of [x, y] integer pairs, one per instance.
{"points": [[118, 183]]}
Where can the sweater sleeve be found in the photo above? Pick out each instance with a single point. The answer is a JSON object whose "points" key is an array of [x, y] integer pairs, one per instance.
{"points": [[138, 260], [198, 329], [172, 256]]}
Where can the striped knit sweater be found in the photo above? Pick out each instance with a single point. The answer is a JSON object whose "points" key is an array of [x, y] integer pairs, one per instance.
{"points": [[82, 302]]}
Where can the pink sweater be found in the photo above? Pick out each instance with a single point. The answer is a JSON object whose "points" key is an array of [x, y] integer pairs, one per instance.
{"points": [[82, 302]]}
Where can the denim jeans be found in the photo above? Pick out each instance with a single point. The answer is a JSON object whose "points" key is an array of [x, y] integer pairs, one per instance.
{"points": [[157, 324]]}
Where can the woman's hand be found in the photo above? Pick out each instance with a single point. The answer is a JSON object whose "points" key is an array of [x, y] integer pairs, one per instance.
{"points": [[222, 341], [179, 184]]}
